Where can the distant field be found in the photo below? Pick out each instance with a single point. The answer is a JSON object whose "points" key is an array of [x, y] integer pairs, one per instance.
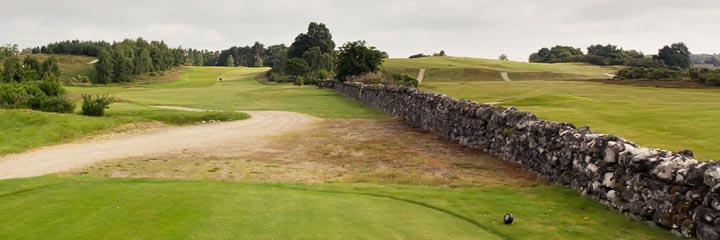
{"points": [[668, 118], [91, 208], [448, 69], [199, 88]]}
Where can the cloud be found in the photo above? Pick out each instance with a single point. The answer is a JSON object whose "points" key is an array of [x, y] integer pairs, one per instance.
{"points": [[479, 28]]}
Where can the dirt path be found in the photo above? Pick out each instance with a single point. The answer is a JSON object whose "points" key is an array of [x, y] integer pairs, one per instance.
{"points": [[239, 134]]}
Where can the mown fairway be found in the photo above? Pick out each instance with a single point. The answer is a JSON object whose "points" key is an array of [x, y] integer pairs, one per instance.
{"points": [[667, 118], [199, 88], [91, 208]]}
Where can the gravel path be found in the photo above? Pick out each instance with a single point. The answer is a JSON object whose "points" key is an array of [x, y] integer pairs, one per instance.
{"points": [[246, 133]]}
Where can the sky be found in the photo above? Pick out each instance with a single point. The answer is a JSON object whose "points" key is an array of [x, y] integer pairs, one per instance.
{"points": [[470, 28]]}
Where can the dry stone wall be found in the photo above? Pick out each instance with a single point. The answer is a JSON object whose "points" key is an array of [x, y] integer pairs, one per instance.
{"points": [[672, 189]]}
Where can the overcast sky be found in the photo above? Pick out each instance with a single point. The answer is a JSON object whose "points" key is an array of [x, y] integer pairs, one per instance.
{"points": [[474, 28]]}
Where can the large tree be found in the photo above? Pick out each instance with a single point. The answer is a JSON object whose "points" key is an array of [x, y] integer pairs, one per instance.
{"points": [[11, 68], [355, 58], [677, 55], [318, 35], [104, 68]]}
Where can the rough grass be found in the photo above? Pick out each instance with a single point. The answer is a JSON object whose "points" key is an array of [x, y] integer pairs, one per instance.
{"points": [[27, 129], [88, 207], [199, 88], [172, 117], [448, 69], [666, 118]]}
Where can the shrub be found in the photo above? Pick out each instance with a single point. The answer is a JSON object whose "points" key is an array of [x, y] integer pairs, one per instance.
{"points": [[80, 79], [95, 106], [47, 96], [59, 104], [323, 75], [419, 55], [13, 96], [657, 73], [299, 81], [404, 80], [706, 76]]}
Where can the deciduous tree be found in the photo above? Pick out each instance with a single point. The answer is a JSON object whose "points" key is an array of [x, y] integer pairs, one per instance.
{"points": [[677, 55], [355, 58]]}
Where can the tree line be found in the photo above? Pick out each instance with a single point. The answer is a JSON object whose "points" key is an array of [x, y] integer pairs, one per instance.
{"points": [[73, 47], [603, 55], [125, 60]]}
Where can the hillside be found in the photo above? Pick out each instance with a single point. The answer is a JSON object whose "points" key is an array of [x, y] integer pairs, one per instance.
{"points": [[70, 65], [444, 69]]}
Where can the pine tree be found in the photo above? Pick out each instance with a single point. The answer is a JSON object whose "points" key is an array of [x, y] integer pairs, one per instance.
{"points": [[104, 68]]}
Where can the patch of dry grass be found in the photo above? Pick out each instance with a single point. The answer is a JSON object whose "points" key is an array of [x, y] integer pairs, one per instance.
{"points": [[385, 151]]}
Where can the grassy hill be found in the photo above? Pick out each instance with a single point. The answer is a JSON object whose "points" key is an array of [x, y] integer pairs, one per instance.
{"points": [[448, 69]]}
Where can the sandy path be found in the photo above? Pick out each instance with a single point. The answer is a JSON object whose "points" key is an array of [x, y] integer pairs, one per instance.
{"points": [[504, 76], [245, 134]]}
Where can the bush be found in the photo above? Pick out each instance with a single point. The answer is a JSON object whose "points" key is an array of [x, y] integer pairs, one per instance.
{"points": [[706, 76], [323, 75], [657, 73], [95, 106], [404, 80], [80, 79], [59, 104], [47, 96], [419, 55], [299, 81], [13, 96]]}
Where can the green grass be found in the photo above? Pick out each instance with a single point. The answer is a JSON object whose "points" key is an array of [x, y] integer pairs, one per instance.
{"points": [[199, 88], [667, 118], [672, 119], [448, 69], [91, 208], [26, 129]]}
